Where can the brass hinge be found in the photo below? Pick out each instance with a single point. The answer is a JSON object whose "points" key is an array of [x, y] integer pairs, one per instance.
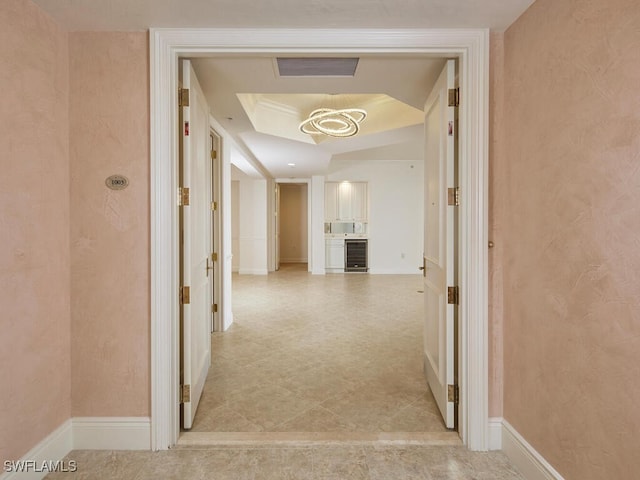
{"points": [[214, 206], [214, 154], [183, 196], [183, 97], [452, 295], [185, 295], [453, 197], [214, 257], [454, 97], [453, 393], [214, 308], [185, 393]]}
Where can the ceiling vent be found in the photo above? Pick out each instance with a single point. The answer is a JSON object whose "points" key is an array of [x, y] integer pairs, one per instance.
{"points": [[317, 67]]}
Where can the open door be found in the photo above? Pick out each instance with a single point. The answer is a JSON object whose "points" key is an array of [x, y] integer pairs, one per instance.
{"points": [[196, 242], [277, 225], [214, 268], [440, 246]]}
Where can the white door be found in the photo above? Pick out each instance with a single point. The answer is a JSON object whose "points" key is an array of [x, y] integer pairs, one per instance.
{"points": [[196, 244], [277, 225], [213, 270], [439, 267]]}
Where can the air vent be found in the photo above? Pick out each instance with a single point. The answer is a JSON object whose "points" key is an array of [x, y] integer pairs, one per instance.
{"points": [[317, 67]]}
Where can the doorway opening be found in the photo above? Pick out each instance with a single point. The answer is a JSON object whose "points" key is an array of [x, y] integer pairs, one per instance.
{"points": [[471, 47], [291, 230]]}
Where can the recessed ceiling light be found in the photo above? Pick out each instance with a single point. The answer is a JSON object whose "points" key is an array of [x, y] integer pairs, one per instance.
{"points": [[291, 164]]}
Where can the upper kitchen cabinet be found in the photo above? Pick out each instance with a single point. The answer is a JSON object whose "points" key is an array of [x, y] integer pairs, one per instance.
{"points": [[331, 201], [346, 201]]}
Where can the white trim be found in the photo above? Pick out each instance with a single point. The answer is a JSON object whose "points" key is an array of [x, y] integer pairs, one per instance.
{"points": [[393, 271], [253, 271], [111, 433], [470, 46], [495, 433], [53, 447], [526, 459], [86, 433]]}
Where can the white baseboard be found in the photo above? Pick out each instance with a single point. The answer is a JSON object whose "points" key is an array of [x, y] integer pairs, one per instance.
{"points": [[111, 433], [526, 459], [495, 433], [53, 448], [83, 433], [393, 271], [253, 271]]}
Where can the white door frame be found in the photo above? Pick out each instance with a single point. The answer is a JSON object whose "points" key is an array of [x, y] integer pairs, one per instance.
{"points": [[470, 46]]}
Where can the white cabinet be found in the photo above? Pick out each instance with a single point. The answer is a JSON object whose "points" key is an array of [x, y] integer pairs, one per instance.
{"points": [[334, 254], [346, 201], [359, 202], [331, 201]]}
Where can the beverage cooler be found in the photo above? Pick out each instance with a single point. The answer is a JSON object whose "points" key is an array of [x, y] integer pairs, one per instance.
{"points": [[355, 255]]}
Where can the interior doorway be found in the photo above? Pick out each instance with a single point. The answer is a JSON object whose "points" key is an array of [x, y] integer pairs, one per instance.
{"points": [[470, 48], [292, 224]]}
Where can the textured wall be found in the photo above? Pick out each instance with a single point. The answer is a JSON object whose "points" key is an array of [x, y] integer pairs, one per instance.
{"points": [[110, 279], [496, 214], [571, 234], [34, 228]]}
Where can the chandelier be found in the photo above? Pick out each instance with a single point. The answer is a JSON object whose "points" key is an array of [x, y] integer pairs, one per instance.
{"points": [[334, 123]]}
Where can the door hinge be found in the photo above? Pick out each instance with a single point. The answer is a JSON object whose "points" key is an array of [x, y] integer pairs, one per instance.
{"points": [[183, 97], [453, 394], [214, 308], [214, 154], [214, 257], [452, 295], [185, 393], [183, 196], [185, 295], [214, 206], [454, 97], [453, 196]]}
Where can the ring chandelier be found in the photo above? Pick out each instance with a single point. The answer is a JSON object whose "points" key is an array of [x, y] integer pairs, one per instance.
{"points": [[334, 123]]}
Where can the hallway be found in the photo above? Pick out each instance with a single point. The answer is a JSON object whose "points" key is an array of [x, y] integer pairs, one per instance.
{"points": [[333, 353]]}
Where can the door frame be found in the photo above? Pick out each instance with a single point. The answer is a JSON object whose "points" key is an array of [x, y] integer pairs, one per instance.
{"points": [[470, 46]]}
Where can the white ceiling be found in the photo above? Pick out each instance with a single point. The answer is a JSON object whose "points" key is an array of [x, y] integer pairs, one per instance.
{"points": [[127, 15], [407, 79]]}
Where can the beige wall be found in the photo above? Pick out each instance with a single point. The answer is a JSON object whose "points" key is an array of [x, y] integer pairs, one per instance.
{"points": [[74, 262], [570, 175], [293, 223], [496, 214], [110, 279], [34, 228]]}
